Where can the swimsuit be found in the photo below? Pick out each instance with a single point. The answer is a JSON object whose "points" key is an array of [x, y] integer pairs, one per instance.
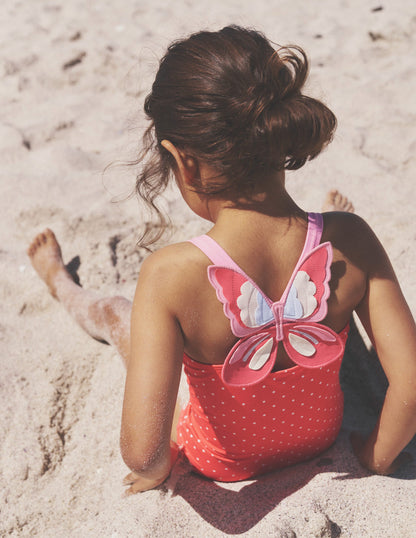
{"points": [[242, 419]]}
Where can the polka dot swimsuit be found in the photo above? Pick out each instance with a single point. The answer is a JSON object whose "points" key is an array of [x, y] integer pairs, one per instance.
{"points": [[231, 433], [234, 433]]}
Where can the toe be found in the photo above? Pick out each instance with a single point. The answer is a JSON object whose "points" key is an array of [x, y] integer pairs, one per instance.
{"points": [[49, 234]]}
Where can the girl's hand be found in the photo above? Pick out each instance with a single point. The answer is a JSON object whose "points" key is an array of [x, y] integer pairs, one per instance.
{"points": [[139, 483], [364, 454]]}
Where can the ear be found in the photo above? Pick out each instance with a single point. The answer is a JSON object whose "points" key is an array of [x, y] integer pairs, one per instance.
{"points": [[187, 167]]}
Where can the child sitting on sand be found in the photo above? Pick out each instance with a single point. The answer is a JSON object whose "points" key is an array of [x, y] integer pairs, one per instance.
{"points": [[258, 309]]}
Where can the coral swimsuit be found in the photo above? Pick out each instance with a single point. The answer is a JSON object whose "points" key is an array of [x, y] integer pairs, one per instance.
{"points": [[243, 419]]}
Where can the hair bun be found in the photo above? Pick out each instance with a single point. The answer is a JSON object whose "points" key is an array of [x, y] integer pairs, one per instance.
{"points": [[283, 77], [286, 71], [287, 128]]}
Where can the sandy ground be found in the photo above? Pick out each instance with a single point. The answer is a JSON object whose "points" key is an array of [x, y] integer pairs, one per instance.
{"points": [[73, 78]]}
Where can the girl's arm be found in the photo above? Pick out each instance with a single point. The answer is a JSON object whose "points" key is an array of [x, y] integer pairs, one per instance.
{"points": [[153, 376], [390, 325]]}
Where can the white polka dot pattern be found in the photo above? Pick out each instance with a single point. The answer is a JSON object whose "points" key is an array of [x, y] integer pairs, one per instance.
{"points": [[233, 433]]}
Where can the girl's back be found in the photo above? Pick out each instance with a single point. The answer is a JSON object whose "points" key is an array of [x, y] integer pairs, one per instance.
{"points": [[267, 249]]}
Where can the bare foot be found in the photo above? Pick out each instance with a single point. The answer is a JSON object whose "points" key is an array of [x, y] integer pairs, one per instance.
{"points": [[335, 201], [46, 257]]}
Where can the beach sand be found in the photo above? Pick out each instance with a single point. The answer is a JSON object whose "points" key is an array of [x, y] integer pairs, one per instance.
{"points": [[74, 76]]}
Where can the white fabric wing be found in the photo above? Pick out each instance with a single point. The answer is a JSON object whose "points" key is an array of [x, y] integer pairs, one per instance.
{"points": [[254, 310]]}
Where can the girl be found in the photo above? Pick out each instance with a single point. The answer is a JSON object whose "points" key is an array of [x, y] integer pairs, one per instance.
{"points": [[257, 310]]}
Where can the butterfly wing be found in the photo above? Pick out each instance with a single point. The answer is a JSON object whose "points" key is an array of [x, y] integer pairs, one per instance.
{"points": [[247, 308], [250, 360], [308, 291], [250, 312], [312, 345]]}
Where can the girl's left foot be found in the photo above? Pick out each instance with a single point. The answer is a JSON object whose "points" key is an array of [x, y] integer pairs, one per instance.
{"points": [[46, 257]]}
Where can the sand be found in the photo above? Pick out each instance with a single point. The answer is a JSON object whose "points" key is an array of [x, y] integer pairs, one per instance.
{"points": [[74, 75]]}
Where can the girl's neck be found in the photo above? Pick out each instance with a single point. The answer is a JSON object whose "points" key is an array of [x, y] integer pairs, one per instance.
{"points": [[273, 202]]}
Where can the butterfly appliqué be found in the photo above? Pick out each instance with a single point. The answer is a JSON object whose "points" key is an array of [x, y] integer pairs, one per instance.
{"points": [[293, 320]]}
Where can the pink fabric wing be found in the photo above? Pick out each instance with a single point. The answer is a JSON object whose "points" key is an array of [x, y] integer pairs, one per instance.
{"points": [[312, 345], [245, 305], [250, 360], [316, 268]]}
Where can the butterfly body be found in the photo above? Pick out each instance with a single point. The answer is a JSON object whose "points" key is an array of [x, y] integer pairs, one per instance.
{"points": [[262, 324]]}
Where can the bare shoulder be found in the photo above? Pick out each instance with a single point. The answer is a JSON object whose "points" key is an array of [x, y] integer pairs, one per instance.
{"points": [[343, 225], [352, 236], [174, 267], [177, 256]]}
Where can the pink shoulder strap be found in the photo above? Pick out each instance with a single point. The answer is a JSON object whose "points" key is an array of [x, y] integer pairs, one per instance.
{"points": [[214, 251], [218, 256], [314, 234]]}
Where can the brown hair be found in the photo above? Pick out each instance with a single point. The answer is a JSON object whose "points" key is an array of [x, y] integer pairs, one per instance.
{"points": [[231, 100]]}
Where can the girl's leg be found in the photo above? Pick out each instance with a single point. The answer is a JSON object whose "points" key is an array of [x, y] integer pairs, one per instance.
{"points": [[105, 319]]}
